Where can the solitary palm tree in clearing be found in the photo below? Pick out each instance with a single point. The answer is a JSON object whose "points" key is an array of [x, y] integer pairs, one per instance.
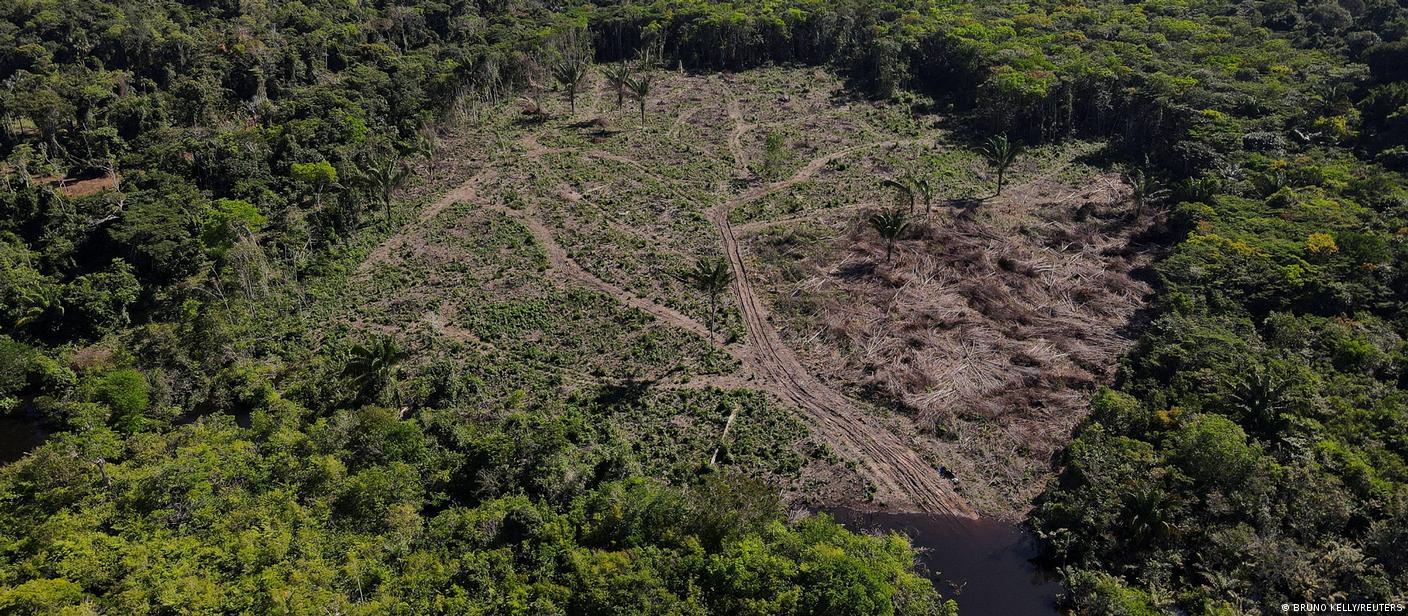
{"points": [[569, 74], [913, 188], [371, 367], [890, 224], [383, 177], [640, 90], [711, 277], [1001, 153], [617, 75]]}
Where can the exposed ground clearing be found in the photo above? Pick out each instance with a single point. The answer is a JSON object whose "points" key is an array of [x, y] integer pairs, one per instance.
{"points": [[614, 209], [900, 477], [991, 326]]}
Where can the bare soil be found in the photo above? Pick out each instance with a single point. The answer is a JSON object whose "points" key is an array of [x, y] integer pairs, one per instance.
{"points": [[986, 332], [990, 327], [901, 479]]}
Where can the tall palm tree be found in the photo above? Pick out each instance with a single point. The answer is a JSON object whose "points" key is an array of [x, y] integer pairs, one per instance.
{"points": [[384, 176], [1001, 153], [617, 75], [639, 86], [890, 224], [569, 75], [711, 277], [371, 367]]}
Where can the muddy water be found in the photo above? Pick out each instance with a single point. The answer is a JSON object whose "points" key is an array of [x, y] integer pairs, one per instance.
{"points": [[984, 564], [19, 434]]}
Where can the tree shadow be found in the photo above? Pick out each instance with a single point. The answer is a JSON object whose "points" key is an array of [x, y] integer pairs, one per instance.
{"points": [[597, 128], [964, 208], [631, 389], [859, 270]]}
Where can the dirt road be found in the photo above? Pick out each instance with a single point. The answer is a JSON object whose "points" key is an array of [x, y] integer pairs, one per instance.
{"points": [[902, 479]]}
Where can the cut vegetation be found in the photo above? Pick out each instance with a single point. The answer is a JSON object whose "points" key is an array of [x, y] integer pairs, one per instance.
{"points": [[507, 308], [986, 329]]}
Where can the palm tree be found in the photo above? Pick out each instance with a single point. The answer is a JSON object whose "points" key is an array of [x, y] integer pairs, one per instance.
{"points": [[531, 109], [1198, 190], [711, 277], [1261, 396], [890, 224], [1146, 514], [926, 194], [1225, 584], [383, 177], [903, 187], [372, 366], [639, 86], [1001, 153], [1270, 183], [569, 74], [41, 303], [1145, 189], [427, 145], [913, 188], [617, 75]]}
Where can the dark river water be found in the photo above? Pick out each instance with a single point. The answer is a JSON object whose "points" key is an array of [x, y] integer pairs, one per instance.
{"points": [[984, 564], [19, 434]]}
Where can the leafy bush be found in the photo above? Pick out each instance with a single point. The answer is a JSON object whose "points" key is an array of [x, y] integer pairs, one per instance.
{"points": [[126, 392]]}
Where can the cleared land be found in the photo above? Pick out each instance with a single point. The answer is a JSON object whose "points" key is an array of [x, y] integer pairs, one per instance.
{"points": [[990, 327], [556, 244]]}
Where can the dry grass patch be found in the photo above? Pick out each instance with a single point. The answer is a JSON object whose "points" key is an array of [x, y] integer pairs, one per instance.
{"points": [[990, 327]]}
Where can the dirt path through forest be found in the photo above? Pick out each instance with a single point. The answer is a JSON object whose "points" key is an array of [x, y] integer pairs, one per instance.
{"points": [[558, 258], [566, 266], [902, 479]]}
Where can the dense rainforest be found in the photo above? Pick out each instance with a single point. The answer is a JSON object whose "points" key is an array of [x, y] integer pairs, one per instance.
{"points": [[178, 175]]}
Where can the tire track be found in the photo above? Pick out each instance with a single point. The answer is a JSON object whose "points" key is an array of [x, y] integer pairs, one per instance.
{"points": [[735, 138], [902, 479], [558, 258], [466, 191]]}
